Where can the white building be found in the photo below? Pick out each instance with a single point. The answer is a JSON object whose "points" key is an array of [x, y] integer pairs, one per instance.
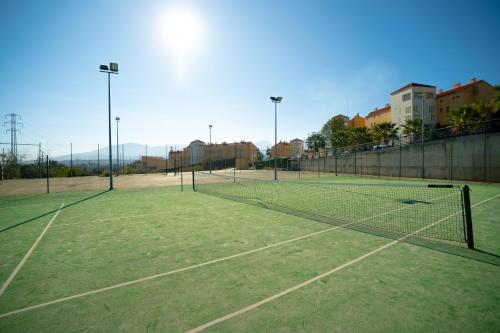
{"points": [[297, 148], [196, 147], [406, 103]]}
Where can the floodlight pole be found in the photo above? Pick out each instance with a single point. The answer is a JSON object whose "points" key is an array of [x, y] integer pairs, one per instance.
{"points": [[112, 69], [109, 132], [276, 100]]}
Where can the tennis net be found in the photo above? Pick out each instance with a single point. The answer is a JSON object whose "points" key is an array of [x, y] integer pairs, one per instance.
{"points": [[423, 211]]}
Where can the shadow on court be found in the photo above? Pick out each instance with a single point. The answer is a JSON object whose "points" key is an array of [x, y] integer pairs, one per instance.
{"points": [[52, 211]]}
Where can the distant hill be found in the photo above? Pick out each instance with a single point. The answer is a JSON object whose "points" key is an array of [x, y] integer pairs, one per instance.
{"points": [[132, 151]]}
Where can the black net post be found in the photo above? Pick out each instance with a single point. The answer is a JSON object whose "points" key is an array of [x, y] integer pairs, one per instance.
{"points": [[468, 217], [48, 187], [192, 175]]}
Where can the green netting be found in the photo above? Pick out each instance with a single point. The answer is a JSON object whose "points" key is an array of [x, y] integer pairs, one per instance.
{"points": [[423, 211]]}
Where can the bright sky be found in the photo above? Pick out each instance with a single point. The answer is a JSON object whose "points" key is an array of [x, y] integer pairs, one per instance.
{"points": [[187, 64]]}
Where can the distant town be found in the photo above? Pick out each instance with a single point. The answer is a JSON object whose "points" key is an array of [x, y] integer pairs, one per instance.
{"points": [[411, 108]]}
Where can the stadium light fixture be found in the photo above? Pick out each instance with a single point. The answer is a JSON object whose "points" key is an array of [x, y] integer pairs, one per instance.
{"points": [[111, 69], [276, 100]]}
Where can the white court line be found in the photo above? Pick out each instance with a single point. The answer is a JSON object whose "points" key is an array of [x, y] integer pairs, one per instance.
{"points": [[128, 283], [190, 267], [318, 277], [28, 254]]}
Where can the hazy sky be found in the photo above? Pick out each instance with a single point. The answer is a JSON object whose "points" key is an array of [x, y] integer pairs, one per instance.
{"points": [[187, 64]]}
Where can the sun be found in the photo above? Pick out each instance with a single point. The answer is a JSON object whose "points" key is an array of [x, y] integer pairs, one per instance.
{"points": [[182, 32]]}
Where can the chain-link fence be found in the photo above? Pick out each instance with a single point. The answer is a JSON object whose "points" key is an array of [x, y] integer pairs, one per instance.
{"points": [[470, 152]]}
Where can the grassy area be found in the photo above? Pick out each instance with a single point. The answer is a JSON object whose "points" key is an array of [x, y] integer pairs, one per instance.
{"points": [[128, 235]]}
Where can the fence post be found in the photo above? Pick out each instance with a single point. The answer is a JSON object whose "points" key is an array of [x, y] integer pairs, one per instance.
{"points": [[484, 153], [400, 159], [451, 160], [182, 180], [361, 162], [335, 155], [48, 187], [423, 157], [319, 162], [378, 161], [468, 217], [355, 160]]}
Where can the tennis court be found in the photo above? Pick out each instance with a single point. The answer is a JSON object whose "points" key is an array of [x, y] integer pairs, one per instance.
{"points": [[224, 258]]}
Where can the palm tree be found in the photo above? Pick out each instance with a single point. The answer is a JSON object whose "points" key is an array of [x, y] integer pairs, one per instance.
{"points": [[359, 135], [315, 141], [412, 128], [385, 131], [461, 117], [340, 137], [486, 110]]}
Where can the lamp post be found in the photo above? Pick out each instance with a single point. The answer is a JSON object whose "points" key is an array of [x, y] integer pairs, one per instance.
{"points": [[117, 148], [210, 149], [111, 69], [276, 100]]}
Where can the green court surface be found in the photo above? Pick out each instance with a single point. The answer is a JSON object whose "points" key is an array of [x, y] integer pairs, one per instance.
{"points": [[161, 260]]}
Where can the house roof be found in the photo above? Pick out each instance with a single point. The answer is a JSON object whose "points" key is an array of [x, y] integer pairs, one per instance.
{"points": [[296, 139], [462, 87], [378, 112], [197, 141], [413, 84]]}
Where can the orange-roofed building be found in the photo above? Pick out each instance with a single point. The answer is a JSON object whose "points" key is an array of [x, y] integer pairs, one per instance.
{"points": [[460, 95], [357, 121], [377, 116]]}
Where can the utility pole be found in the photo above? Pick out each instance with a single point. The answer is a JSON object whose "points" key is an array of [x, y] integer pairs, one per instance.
{"points": [[14, 123], [3, 155]]}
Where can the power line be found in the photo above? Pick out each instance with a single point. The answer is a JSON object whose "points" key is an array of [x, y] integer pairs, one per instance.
{"points": [[14, 123]]}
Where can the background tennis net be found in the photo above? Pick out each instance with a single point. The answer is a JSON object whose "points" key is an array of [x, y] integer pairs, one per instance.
{"points": [[424, 211]]}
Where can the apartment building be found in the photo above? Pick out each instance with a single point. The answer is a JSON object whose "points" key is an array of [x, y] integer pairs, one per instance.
{"points": [[407, 103], [459, 95], [196, 150], [282, 149], [297, 148], [244, 152]]}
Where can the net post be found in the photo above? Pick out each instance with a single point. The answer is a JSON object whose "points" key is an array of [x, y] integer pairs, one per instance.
{"points": [[48, 188], [192, 175], [468, 217]]}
